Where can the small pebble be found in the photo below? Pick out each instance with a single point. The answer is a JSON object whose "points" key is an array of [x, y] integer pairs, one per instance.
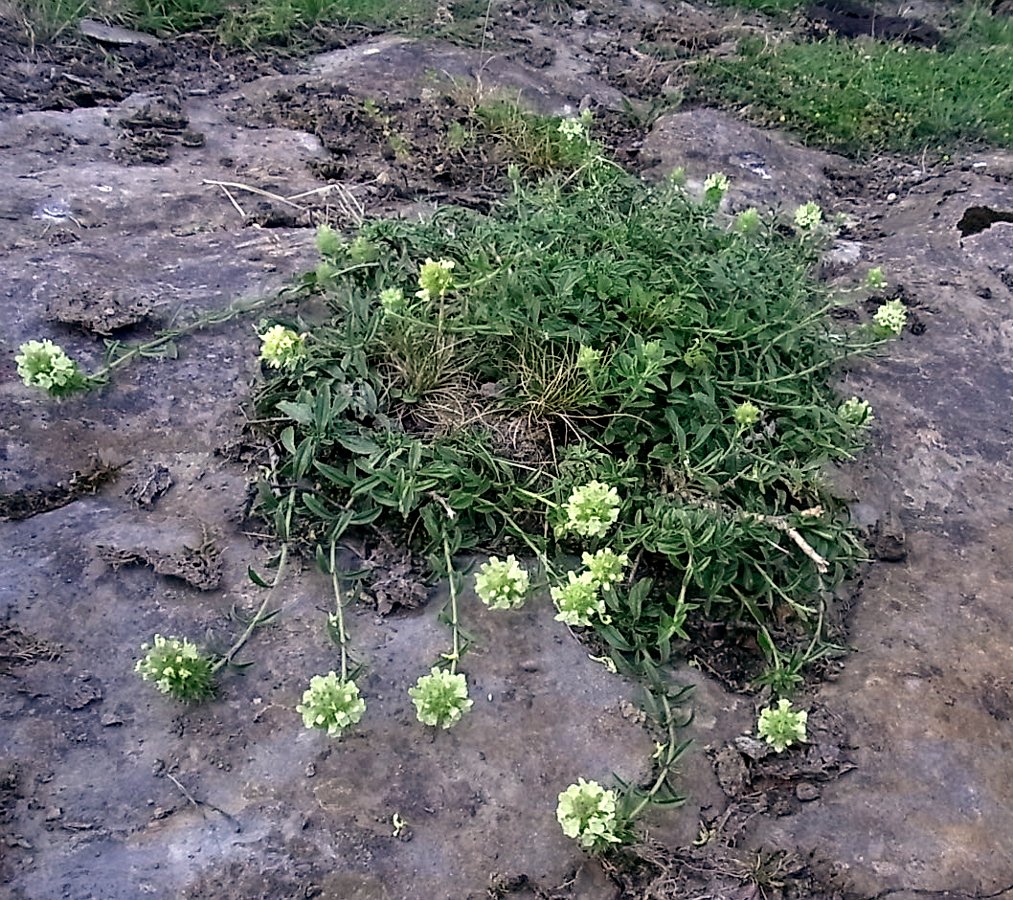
{"points": [[806, 792]]}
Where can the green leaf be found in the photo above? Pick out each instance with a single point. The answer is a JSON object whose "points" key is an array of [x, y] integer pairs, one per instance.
{"points": [[301, 412], [256, 579], [359, 444], [287, 438], [614, 638]]}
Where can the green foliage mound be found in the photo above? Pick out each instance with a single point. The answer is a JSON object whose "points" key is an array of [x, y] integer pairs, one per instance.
{"points": [[475, 374]]}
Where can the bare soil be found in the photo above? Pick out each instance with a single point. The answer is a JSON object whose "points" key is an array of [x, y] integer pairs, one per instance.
{"points": [[129, 196]]}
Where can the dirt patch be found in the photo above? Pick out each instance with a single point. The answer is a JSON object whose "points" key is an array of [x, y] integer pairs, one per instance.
{"points": [[200, 567], [20, 649], [27, 502], [77, 73], [393, 579], [102, 312], [406, 146], [849, 19], [154, 127]]}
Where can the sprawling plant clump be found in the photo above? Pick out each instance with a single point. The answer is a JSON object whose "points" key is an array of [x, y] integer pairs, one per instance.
{"points": [[598, 366]]}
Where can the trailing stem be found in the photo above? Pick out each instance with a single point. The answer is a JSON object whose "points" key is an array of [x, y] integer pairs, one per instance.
{"points": [[455, 654], [339, 612], [262, 616]]}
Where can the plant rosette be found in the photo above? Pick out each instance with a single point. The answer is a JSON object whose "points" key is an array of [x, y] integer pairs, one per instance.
{"points": [[502, 584], [331, 704], [587, 813], [782, 726], [440, 698], [177, 668]]}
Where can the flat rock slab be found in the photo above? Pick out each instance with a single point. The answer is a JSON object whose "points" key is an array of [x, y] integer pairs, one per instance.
{"points": [[114, 35], [764, 168], [261, 807]]}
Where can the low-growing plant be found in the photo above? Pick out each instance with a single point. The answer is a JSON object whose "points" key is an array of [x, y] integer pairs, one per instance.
{"points": [[781, 726], [597, 360], [47, 366], [332, 702], [538, 145], [178, 668]]}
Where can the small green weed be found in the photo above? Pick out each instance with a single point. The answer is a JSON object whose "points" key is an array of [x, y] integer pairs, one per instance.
{"points": [[864, 96], [174, 16], [770, 7], [43, 20], [538, 145]]}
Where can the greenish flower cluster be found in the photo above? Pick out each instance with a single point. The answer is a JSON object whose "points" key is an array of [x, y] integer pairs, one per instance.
{"points": [[572, 129], [875, 279], [579, 600], [747, 414], [392, 300], [502, 584], [605, 566], [331, 704], [435, 278], [783, 726], [856, 413], [43, 364], [177, 668], [715, 186], [588, 359], [329, 242], [592, 509], [587, 813], [890, 318], [808, 216], [281, 347], [748, 221], [440, 698]]}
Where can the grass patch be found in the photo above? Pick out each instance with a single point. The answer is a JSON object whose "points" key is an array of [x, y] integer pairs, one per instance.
{"points": [[278, 21], [537, 145], [595, 366], [257, 22], [770, 7], [861, 97], [44, 20]]}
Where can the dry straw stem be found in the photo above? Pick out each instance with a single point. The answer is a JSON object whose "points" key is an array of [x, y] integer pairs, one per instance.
{"points": [[781, 524], [346, 202]]}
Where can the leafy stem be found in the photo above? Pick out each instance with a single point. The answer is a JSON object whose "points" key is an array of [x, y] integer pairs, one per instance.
{"points": [[454, 623], [262, 616], [671, 751], [118, 354], [339, 612]]}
